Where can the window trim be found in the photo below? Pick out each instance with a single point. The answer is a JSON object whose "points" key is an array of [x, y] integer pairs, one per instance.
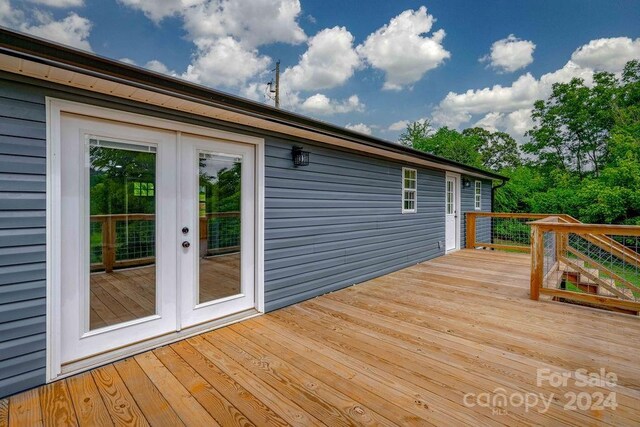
{"points": [[414, 190], [477, 195]]}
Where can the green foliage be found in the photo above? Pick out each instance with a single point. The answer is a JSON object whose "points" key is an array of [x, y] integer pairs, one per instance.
{"points": [[582, 157]]}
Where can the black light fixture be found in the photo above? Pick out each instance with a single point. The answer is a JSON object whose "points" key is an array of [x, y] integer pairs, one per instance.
{"points": [[466, 182], [299, 156]]}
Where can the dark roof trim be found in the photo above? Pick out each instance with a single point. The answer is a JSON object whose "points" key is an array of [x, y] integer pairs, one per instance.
{"points": [[35, 49]]}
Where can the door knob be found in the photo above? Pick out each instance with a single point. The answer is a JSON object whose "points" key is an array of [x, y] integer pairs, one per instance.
{"points": [[186, 244], [185, 230]]}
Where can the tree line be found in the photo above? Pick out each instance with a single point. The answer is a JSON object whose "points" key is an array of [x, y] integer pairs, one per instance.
{"points": [[581, 157]]}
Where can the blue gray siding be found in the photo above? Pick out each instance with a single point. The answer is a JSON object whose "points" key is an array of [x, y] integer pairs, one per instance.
{"points": [[22, 239], [329, 225], [338, 221], [467, 204]]}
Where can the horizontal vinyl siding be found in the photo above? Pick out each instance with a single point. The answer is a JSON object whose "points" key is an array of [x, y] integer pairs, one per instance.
{"points": [[338, 221], [22, 238], [467, 204]]}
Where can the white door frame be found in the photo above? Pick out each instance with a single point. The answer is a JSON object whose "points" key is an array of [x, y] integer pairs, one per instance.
{"points": [[458, 209], [54, 109]]}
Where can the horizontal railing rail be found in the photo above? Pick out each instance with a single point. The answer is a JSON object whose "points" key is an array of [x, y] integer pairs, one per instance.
{"points": [[500, 230], [128, 240]]}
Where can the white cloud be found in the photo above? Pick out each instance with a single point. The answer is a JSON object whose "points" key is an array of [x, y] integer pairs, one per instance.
{"points": [[515, 123], [128, 61], [322, 105], [10, 17], [159, 67], [253, 22], [225, 62], [59, 3], [458, 108], [399, 125], [72, 31], [510, 54], [329, 61], [607, 54], [156, 10], [401, 49], [359, 127]]}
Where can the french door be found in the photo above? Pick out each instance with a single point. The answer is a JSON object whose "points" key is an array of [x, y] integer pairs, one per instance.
{"points": [[157, 233]]}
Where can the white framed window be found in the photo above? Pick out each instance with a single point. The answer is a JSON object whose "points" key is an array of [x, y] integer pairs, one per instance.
{"points": [[409, 190], [478, 195]]}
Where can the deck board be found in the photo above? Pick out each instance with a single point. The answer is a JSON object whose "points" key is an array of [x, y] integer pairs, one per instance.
{"points": [[402, 349]]}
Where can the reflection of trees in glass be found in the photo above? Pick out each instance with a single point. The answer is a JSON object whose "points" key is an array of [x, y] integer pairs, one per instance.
{"points": [[222, 191], [221, 194], [112, 178], [116, 178]]}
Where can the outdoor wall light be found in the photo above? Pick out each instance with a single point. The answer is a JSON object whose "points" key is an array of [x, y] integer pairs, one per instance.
{"points": [[300, 157], [466, 182]]}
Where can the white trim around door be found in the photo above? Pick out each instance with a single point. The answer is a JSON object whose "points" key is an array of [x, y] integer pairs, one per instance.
{"points": [[456, 180], [157, 136]]}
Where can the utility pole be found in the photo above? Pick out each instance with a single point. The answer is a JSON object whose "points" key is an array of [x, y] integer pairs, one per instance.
{"points": [[278, 84]]}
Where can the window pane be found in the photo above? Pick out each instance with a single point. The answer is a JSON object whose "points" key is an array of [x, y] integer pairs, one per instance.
{"points": [[219, 200], [122, 233]]}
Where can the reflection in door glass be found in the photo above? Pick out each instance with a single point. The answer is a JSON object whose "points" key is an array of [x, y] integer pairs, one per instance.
{"points": [[122, 232], [219, 226]]}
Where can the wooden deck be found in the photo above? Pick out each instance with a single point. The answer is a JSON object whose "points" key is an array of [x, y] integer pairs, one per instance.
{"points": [[403, 349]]}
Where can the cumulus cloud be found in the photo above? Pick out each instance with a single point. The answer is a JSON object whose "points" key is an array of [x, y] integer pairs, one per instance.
{"points": [[254, 22], [225, 62], [403, 51], [329, 61], [59, 3], [509, 107], [320, 104], [510, 54], [359, 127], [458, 108], [399, 125], [226, 35], [73, 30], [607, 54]]}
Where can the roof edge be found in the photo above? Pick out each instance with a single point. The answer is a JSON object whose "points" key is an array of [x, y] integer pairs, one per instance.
{"points": [[32, 48]]}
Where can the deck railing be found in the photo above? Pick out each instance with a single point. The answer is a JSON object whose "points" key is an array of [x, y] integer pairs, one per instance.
{"points": [[500, 230], [592, 264], [128, 240]]}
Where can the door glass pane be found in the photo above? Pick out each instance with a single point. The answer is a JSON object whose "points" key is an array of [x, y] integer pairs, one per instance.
{"points": [[122, 232], [220, 191]]}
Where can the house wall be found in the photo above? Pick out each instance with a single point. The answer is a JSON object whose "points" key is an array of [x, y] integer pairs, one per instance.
{"points": [[467, 204], [331, 224], [339, 221], [22, 239]]}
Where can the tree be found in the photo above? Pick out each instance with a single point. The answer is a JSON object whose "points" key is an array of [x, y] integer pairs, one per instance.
{"points": [[415, 132], [453, 145], [571, 128], [498, 150]]}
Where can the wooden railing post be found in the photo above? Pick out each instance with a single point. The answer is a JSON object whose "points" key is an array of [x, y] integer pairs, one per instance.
{"points": [[109, 243], [537, 261], [471, 230]]}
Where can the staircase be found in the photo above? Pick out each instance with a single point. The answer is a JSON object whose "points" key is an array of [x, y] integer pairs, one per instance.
{"points": [[590, 280]]}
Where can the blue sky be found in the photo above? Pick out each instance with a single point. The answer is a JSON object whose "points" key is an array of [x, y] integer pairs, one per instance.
{"points": [[372, 66]]}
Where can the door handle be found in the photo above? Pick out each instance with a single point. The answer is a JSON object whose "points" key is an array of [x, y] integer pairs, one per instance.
{"points": [[186, 244]]}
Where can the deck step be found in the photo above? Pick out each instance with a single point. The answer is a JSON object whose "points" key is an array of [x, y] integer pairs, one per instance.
{"points": [[569, 268]]}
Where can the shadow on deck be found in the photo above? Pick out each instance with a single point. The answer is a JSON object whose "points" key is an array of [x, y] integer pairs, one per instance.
{"points": [[417, 346]]}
